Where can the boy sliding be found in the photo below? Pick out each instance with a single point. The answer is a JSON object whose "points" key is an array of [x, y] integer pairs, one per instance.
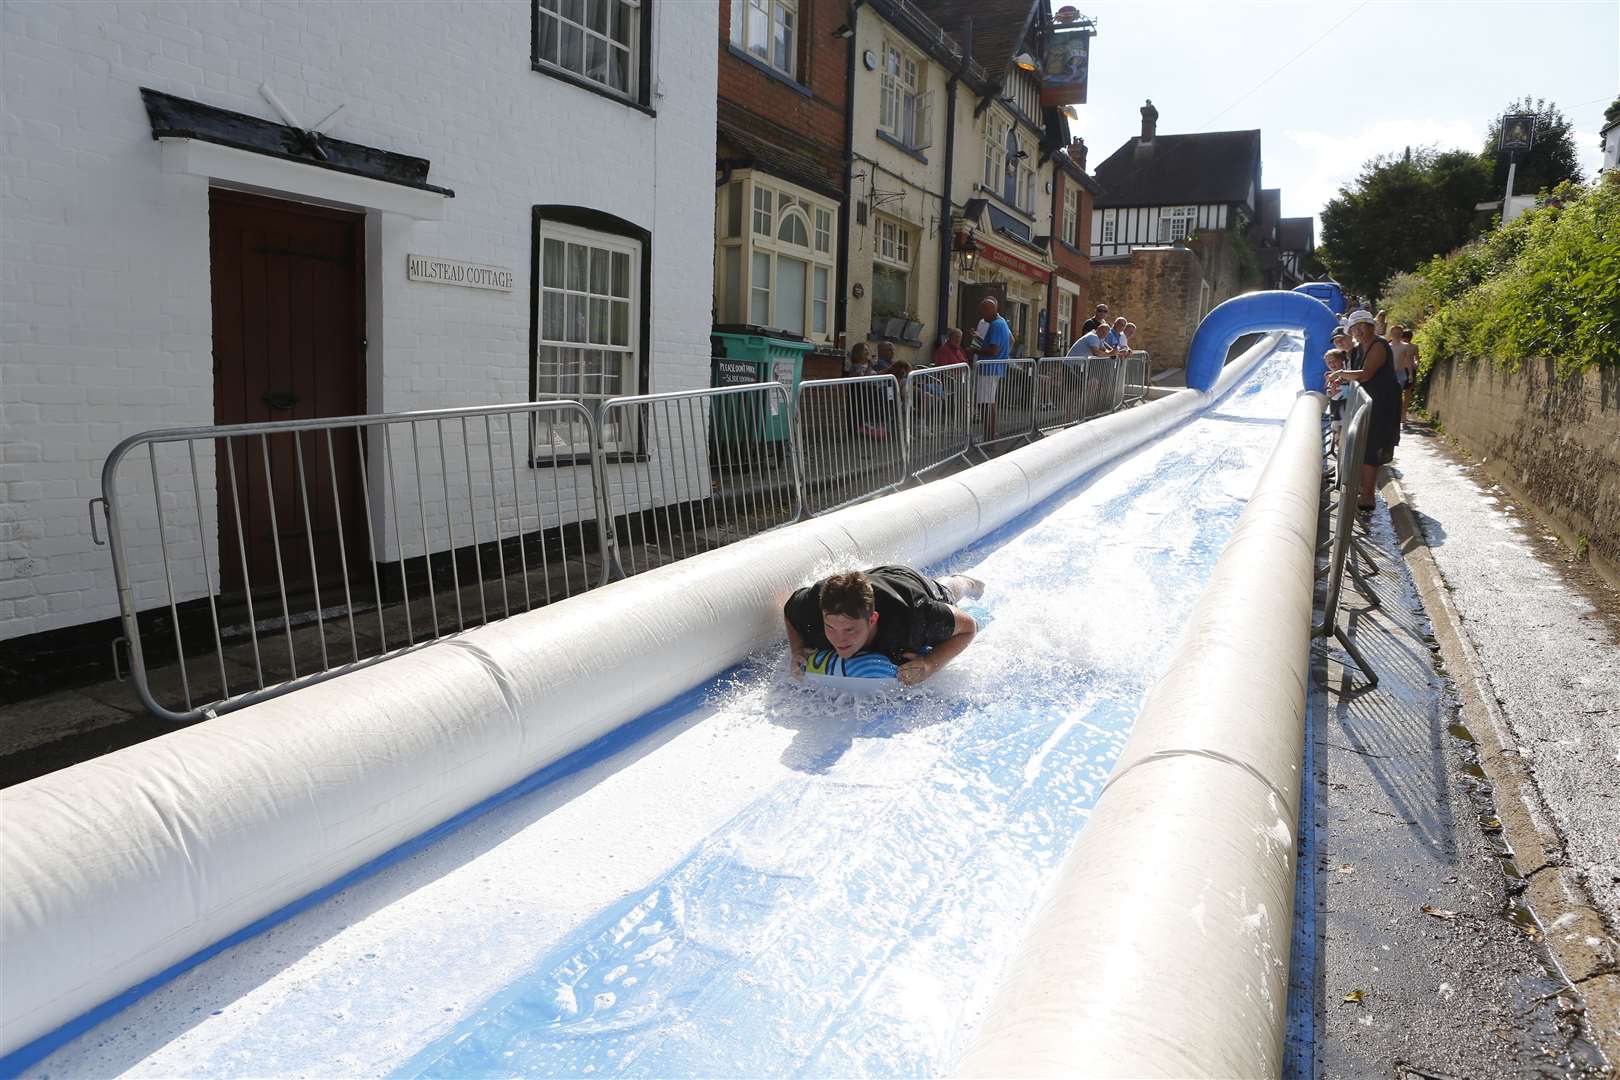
{"points": [[892, 610]]}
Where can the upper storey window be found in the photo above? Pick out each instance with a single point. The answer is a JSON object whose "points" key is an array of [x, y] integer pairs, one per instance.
{"points": [[599, 42], [768, 31]]}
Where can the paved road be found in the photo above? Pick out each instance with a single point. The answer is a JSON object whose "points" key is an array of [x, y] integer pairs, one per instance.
{"points": [[1401, 810], [1551, 657]]}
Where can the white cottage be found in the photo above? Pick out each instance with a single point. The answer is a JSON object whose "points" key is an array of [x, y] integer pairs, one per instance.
{"points": [[218, 212]]}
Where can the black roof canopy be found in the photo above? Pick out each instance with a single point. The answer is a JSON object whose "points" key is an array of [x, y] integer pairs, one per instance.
{"points": [[174, 117]]}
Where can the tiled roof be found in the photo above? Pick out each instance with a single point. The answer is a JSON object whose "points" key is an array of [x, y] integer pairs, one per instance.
{"points": [[998, 26], [782, 154], [1211, 167]]}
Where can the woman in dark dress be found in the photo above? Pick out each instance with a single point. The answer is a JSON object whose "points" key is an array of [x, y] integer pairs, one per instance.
{"points": [[1373, 365]]}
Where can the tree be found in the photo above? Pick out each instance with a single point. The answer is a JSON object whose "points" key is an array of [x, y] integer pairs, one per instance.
{"points": [[1550, 162], [1401, 211]]}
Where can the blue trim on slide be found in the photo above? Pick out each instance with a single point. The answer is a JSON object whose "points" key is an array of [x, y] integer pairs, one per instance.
{"points": [[1299, 1045], [1259, 312], [14, 1063], [1327, 292]]}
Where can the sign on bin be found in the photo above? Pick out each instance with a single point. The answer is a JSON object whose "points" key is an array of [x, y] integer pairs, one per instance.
{"points": [[735, 372]]}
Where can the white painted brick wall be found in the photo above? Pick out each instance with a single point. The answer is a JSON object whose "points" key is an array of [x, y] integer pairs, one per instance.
{"points": [[105, 321]]}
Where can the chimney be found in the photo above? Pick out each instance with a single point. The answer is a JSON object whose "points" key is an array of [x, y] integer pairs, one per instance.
{"points": [[1077, 152], [1150, 121]]}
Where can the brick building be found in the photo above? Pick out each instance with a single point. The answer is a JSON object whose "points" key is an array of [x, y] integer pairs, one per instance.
{"points": [[1070, 296], [177, 251], [781, 171]]}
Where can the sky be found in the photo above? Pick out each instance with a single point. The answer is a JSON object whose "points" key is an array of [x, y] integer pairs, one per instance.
{"points": [[1331, 83]]}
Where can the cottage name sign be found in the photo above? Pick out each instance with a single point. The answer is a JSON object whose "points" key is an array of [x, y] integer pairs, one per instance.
{"points": [[451, 272]]}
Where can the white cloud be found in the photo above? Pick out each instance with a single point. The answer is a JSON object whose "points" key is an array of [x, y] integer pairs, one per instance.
{"points": [[1588, 152], [1318, 163]]}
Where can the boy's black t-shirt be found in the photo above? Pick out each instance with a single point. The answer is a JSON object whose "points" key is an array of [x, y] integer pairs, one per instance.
{"points": [[913, 612]]}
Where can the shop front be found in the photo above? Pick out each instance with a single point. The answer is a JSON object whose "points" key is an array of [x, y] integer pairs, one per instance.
{"points": [[1019, 286]]}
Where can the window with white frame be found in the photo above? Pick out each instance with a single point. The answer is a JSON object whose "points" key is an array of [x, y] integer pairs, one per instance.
{"points": [[1071, 215], [1176, 223], [778, 270], [891, 269], [1065, 306], [597, 40], [589, 310], [995, 151], [768, 31], [1009, 175], [903, 106], [1108, 229]]}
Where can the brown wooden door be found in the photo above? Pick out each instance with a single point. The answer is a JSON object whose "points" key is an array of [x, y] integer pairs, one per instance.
{"points": [[289, 344]]}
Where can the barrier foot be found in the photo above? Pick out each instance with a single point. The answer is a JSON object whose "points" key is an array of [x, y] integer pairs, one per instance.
{"points": [[1355, 654]]}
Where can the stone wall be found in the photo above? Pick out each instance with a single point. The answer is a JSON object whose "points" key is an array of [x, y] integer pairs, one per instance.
{"points": [[1158, 289], [1165, 291], [1554, 442]]}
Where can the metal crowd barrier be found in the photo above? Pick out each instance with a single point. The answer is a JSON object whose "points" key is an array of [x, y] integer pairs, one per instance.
{"points": [[329, 544], [1136, 377], [262, 557], [851, 440], [693, 470], [939, 416], [1344, 549], [1061, 391], [1004, 404]]}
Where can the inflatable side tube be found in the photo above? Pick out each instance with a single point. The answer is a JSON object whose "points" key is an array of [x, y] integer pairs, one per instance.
{"points": [[125, 868], [1163, 947]]}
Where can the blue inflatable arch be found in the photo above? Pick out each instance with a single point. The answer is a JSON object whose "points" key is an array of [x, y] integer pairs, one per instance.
{"points": [[1326, 291], [1255, 313]]}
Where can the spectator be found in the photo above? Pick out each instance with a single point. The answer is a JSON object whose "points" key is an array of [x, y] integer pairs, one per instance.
{"points": [[859, 402], [1096, 320], [1130, 336], [1381, 324], [860, 360], [991, 343], [1091, 343], [1400, 343], [951, 352], [1336, 358], [1412, 370], [885, 358], [1373, 366], [1116, 337]]}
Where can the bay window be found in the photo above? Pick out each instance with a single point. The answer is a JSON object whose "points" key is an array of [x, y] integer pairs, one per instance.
{"points": [[776, 272]]}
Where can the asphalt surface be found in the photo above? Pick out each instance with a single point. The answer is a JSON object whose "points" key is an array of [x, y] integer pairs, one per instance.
{"points": [[1404, 819], [1551, 656]]}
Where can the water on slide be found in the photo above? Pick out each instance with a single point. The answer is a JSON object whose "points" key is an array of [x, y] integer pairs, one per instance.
{"points": [[772, 880]]}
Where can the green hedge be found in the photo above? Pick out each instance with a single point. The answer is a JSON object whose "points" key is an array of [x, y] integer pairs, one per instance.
{"points": [[1546, 286]]}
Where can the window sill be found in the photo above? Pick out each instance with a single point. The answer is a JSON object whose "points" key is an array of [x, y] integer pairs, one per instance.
{"points": [[759, 65], [1070, 248], [562, 75], [885, 137], [1027, 215], [567, 461]]}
